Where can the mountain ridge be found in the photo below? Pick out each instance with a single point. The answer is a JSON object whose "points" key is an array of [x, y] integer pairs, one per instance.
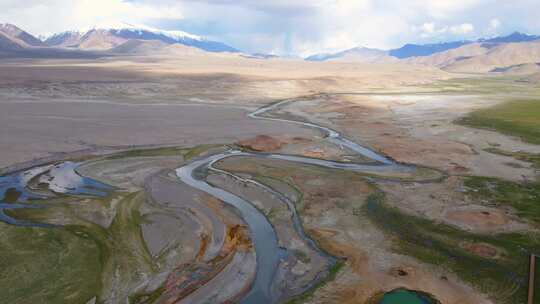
{"points": [[411, 50], [20, 36], [108, 37], [482, 57]]}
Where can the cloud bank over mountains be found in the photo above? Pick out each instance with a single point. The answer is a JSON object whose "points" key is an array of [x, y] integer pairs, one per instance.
{"points": [[289, 27]]}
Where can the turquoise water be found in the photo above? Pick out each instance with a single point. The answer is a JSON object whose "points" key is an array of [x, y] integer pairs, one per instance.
{"points": [[403, 296]]}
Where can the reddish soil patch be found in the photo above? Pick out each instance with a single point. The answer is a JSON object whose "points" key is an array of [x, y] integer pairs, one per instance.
{"points": [[479, 219], [314, 153], [188, 277], [483, 250], [262, 143]]}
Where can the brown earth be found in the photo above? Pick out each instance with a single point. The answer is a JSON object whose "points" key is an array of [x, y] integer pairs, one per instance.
{"points": [[478, 219], [483, 250], [483, 57], [261, 143], [418, 129], [132, 101], [332, 215], [188, 278]]}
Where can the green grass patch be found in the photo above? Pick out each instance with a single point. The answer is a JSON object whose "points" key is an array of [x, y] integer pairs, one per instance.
{"points": [[485, 86], [187, 153], [332, 273], [121, 253], [82, 260], [169, 151], [532, 158], [519, 118], [198, 150], [503, 277], [48, 265], [523, 197]]}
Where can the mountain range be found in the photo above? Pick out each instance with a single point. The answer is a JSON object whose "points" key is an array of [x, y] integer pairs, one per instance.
{"points": [[104, 38], [17, 38], [424, 50], [121, 37], [516, 53], [484, 57]]}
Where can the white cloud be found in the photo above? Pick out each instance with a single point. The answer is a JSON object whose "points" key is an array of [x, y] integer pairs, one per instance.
{"points": [[428, 28], [462, 29], [285, 26], [444, 9], [494, 23], [43, 17], [431, 30]]}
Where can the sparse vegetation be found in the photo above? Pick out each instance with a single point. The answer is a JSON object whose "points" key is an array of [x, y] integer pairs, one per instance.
{"points": [[504, 277], [519, 118], [332, 273], [522, 197], [302, 256], [168, 151], [484, 86], [187, 153], [49, 265], [197, 150], [532, 158], [84, 259]]}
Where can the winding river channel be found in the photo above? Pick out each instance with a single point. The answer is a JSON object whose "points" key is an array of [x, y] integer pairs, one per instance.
{"points": [[263, 235], [63, 178]]}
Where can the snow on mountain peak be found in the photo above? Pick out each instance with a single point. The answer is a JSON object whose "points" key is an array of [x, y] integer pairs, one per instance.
{"points": [[124, 26]]}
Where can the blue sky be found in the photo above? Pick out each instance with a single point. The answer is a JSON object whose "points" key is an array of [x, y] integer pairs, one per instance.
{"points": [[300, 27]]}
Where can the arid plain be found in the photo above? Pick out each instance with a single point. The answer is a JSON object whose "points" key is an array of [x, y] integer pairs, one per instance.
{"points": [[452, 215]]}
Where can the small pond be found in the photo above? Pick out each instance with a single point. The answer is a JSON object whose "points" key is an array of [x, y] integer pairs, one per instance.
{"points": [[404, 296]]}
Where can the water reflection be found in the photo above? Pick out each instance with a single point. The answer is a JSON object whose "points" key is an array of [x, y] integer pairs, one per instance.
{"points": [[20, 189]]}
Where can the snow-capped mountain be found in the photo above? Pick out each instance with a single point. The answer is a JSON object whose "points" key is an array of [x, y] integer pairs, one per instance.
{"points": [[110, 36]]}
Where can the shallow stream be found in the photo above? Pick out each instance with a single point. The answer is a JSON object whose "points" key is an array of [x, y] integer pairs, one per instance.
{"points": [[263, 235]]}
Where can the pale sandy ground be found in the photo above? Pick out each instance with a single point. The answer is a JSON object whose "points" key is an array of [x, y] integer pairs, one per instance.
{"points": [[419, 129], [52, 106], [37, 129], [47, 107], [210, 79]]}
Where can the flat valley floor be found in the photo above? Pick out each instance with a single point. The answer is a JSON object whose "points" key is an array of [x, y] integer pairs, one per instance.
{"points": [[454, 220]]}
